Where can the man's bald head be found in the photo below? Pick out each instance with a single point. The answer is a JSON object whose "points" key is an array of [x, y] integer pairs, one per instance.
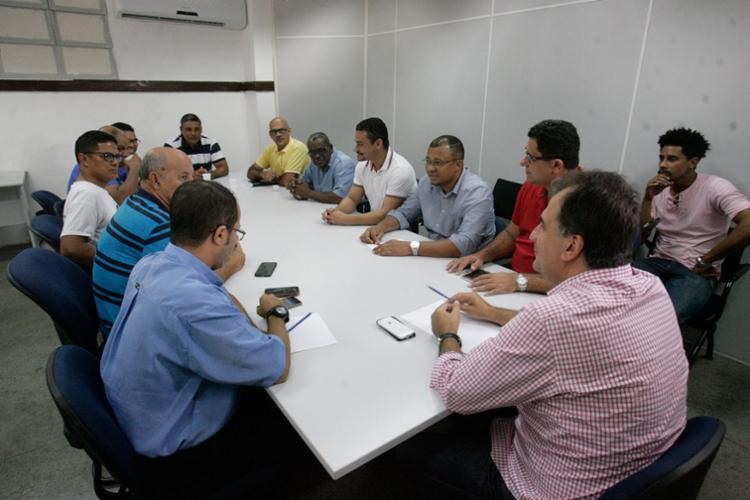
{"points": [[280, 132], [163, 170], [123, 141]]}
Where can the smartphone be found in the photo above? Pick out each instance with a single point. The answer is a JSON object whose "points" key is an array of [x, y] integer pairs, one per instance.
{"points": [[265, 269], [395, 328], [290, 302], [474, 274], [285, 291], [262, 183]]}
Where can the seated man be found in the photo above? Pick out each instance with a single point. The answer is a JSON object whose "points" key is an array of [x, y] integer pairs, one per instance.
{"points": [[126, 181], [329, 175], [694, 212], [281, 161], [456, 206], [551, 151], [206, 155], [140, 227], [383, 175], [182, 348], [596, 369], [130, 134], [89, 206]]}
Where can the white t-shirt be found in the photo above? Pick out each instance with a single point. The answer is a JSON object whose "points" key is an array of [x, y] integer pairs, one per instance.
{"points": [[395, 178], [87, 211]]}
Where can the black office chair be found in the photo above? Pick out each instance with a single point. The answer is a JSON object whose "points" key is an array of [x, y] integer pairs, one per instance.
{"points": [[76, 387], [46, 200], [680, 471], [62, 289], [47, 228], [59, 207], [504, 194]]}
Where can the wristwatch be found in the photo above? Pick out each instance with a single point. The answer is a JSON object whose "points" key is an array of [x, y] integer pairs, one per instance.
{"points": [[521, 282], [699, 262], [414, 247], [442, 338], [280, 312]]}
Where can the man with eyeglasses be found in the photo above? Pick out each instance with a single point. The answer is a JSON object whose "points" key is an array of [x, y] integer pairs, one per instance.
{"points": [[89, 207], [329, 175], [130, 134], [551, 151], [126, 181], [281, 161], [205, 153], [183, 366], [694, 212], [455, 204]]}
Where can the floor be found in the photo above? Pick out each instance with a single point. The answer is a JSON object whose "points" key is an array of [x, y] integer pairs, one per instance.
{"points": [[37, 462]]}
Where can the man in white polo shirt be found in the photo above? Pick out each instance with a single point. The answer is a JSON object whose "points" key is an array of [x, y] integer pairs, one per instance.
{"points": [[384, 176]]}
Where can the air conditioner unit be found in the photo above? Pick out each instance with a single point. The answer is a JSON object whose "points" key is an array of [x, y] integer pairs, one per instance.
{"points": [[230, 14]]}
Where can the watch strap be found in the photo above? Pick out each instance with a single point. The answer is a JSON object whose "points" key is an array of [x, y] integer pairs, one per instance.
{"points": [[445, 336]]}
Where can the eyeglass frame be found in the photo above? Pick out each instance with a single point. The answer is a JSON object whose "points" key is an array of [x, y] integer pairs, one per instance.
{"points": [[277, 131], [240, 232], [531, 158], [437, 163], [103, 155]]}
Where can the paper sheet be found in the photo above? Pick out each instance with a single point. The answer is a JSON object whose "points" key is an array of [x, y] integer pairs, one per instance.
{"points": [[472, 332], [310, 334]]}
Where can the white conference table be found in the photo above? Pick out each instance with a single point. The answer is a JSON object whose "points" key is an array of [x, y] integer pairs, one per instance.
{"points": [[353, 400]]}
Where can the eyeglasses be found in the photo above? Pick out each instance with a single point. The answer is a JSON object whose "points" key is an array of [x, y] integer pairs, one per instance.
{"points": [[278, 131], [531, 158], [437, 163], [319, 151], [135, 142], [240, 233], [110, 157]]}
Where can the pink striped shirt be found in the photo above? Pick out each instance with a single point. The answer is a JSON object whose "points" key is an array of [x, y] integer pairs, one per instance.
{"points": [[599, 376]]}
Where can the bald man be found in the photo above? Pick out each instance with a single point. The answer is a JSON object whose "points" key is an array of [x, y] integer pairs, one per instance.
{"points": [[126, 181], [281, 161], [140, 227]]}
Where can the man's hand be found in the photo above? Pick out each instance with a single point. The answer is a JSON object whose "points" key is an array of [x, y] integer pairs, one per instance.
{"points": [[474, 305], [706, 271], [334, 216], [299, 189], [267, 175], [657, 184], [234, 263], [474, 261], [266, 303], [445, 319], [495, 283], [198, 174], [393, 248], [372, 234], [133, 161]]}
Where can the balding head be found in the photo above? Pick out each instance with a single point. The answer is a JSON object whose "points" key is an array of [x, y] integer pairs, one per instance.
{"points": [[280, 132], [163, 170], [123, 141]]}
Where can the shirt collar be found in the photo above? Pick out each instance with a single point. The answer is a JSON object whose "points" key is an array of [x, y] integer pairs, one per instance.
{"points": [[184, 257], [145, 194], [622, 273], [386, 162]]}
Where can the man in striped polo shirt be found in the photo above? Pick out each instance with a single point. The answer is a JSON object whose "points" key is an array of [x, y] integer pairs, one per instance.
{"points": [[206, 154], [140, 227]]}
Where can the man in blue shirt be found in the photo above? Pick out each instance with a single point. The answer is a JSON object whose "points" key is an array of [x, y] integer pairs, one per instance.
{"points": [[455, 204], [329, 175], [140, 227], [182, 347]]}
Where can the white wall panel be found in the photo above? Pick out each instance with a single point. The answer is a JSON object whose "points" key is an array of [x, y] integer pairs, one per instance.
{"points": [[319, 17], [380, 71], [381, 15], [420, 12]]}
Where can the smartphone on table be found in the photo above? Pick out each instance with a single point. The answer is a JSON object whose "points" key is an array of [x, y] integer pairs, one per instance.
{"points": [[283, 291], [265, 269], [395, 328], [474, 274]]}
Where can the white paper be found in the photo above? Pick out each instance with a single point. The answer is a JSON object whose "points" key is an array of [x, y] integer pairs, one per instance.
{"points": [[472, 332], [310, 334]]}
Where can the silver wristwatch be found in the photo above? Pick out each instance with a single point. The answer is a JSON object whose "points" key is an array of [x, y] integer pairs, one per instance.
{"points": [[699, 262], [521, 282], [414, 247]]}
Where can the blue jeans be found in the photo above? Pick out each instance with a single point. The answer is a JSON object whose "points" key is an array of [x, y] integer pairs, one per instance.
{"points": [[689, 292]]}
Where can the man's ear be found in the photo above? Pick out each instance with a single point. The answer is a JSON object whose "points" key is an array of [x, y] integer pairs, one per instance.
{"points": [[694, 161], [220, 235], [574, 248]]}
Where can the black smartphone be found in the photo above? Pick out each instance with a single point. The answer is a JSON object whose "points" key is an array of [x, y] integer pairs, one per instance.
{"points": [[265, 269], [290, 302], [262, 183], [474, 274], [284, 291]]}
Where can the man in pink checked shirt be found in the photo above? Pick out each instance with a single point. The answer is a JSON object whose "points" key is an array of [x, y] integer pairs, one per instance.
{"points": [[596, 369]]}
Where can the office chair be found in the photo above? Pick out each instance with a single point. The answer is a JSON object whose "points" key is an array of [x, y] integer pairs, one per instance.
{"points": [[504, 194], [680, 471], [62, 289], [46, 200], [47, 228], [76, 387], [59, 207]]}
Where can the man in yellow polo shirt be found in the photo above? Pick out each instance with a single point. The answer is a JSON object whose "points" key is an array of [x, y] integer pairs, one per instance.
{"points": [[281, 161]]}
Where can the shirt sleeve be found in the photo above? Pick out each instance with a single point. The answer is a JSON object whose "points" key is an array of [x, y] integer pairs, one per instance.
{"points": [[80, 215], [264, 160], [728, 199], [343, 177], [477, 212], [298, 159], [518, 207], [358, 173], [402, 183], [409, 210], [514, 367], [216, 153], [307, 176]]}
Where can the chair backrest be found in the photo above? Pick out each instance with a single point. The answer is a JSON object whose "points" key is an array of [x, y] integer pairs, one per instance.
{"points": [[680, 471], [59, 207], [46, 200], [76, 386], [48, 228], [505, 193], [62, 289]]}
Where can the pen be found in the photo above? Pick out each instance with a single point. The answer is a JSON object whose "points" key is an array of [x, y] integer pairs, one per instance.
{"points": [[298, 322], [438, 292]]}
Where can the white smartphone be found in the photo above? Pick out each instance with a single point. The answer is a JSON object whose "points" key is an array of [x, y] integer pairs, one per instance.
{"points": [[395, 328]]}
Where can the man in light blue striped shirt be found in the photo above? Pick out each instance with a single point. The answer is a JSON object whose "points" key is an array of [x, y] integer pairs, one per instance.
{"points": [[455, 204], [329, 175]]}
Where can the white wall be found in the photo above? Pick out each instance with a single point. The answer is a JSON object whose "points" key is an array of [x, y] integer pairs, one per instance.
{"points": [[39, 129], [486, 70]]}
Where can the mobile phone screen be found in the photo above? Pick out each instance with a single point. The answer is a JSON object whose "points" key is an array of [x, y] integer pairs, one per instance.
{"points": [[474, 274], [265, 269], [290, 302]]}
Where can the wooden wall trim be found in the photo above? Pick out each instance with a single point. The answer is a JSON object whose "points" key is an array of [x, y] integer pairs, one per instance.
{"points": [[132, 86]]}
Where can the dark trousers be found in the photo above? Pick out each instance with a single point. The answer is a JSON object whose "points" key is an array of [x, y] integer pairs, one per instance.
{"points": [[243, 460], [452, 459]]}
